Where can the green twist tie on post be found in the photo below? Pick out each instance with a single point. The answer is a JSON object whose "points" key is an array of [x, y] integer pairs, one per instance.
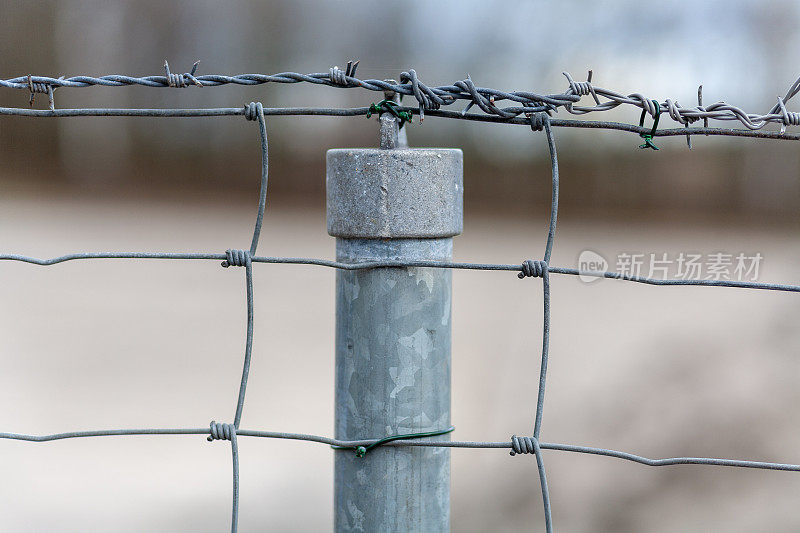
{"points": [[387, 106], [361, 451], [648, 137]]}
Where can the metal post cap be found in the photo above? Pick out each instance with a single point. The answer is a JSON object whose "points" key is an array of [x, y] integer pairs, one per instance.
{"points": [[400, 193]]}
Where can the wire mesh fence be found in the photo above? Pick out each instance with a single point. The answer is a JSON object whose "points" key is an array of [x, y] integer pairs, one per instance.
{"points": [[531, 109]]}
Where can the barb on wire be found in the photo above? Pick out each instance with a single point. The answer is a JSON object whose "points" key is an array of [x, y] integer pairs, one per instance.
{"points": [[45, 88], [181, 80], [432, 98], [582, 88], [339, 76]]}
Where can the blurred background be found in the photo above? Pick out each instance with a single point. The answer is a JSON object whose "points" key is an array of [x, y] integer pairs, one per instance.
{"points": [[675, 371]]}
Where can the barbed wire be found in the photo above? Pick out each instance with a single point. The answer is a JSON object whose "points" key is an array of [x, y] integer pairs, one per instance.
{"points": [[536, 109], [430, 99]]}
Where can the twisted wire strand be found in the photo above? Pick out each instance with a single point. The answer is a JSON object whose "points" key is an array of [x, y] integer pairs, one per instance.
{"points": [[716, 111], [431, 98]]}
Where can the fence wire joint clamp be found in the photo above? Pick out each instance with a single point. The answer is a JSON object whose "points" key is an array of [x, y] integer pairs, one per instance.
{"points": [[648, 137], [361, 451], [387, 106]]}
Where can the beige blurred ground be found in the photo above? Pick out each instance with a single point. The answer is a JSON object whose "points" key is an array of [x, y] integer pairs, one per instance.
{"points": [[659, 371]]}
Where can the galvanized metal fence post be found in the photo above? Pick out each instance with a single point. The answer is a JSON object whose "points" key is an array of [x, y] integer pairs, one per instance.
{"points": [[393, 329]]}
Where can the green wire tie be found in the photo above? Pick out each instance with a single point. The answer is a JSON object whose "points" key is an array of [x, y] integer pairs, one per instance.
{"points": [[361, 451], [648, 137], [387, 106]]}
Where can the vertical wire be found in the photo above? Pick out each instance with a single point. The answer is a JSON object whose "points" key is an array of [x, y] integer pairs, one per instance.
{"points": [[248, 350], [545, 353], [235, 507], [546, 277], [249, 344], [554, 200], [262, 199], [548, 518]]}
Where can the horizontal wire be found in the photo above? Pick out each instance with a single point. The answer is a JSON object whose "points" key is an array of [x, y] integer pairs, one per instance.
{"points": [[669, 461], [201, 112], [362, 111], [402, 264]]}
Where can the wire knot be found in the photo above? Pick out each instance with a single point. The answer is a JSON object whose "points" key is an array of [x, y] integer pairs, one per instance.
{"points": [[581, 88], [339, 76], [237, 258], [487, 105], [427, 98], [387, 106], [36, 87], [42, 88], [533, 269], [523, 445], [537, 120], [253, 110], [221, 431], [788, 118], [181, 80]]}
